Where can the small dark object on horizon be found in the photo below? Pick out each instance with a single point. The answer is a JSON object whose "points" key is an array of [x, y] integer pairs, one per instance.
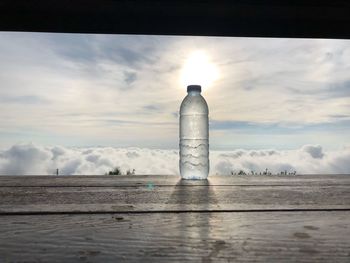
{"points": [[128, 172], [116, 171]]}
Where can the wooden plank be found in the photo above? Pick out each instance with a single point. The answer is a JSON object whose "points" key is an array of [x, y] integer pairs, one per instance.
{"points": [[169, 180], [172, 198], [201, 237]]}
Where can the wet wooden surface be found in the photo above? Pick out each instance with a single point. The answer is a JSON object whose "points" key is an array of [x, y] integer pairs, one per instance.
{"points": [[161, 219]]}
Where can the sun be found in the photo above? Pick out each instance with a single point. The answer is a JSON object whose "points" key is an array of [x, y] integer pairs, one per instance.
{"points": [[198, 69]]}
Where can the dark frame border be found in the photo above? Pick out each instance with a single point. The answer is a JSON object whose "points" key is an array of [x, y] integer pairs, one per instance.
{"points": [[240, 18]]}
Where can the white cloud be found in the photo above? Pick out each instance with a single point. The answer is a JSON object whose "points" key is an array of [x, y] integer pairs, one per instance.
{"points": [[30, 159]]}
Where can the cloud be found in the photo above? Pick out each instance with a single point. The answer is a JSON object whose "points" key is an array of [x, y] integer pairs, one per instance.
{"points": [[130, 77], [152, 107], [89, 49], [314, 150], [337, 124], [31, 159], [23, 99], [309, 159], [24, 159], [326, 90], [128, 56]]}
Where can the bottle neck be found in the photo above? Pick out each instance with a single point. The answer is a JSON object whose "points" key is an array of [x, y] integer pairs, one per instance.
{"points": [[194, 93]]}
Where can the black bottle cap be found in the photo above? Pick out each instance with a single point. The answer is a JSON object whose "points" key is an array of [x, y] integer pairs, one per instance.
{"points": [[194, 88]]}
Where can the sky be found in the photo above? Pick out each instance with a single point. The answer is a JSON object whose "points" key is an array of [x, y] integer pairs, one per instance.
{"points": [[126, 90], [90, 90]]}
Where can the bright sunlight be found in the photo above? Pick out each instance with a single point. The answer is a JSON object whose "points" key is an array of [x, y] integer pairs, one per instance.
{"points": [[198, 69]]}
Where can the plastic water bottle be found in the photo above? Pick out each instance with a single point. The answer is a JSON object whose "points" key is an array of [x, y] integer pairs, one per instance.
{"points": [[194, 135]]}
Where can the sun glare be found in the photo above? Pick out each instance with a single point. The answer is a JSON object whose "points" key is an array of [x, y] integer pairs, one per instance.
{"points": [[198, 69]]}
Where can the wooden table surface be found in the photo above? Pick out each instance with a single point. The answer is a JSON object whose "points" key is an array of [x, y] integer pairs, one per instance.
{"points": [[148, 218]]}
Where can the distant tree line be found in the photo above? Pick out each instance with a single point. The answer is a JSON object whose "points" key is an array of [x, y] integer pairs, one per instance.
{"points": [[266, 172], [118, 171], [115, 171]]}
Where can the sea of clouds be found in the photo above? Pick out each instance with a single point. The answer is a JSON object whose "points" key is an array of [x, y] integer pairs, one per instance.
{"points": [[32, 159]]}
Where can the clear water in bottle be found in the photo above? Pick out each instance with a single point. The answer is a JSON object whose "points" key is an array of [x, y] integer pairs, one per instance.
{"points": [[194, 135]]}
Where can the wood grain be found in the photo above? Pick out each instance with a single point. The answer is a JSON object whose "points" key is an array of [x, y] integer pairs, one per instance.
{"points": [[170, 180], [161, 218], [200, 237], [171, 198]]}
